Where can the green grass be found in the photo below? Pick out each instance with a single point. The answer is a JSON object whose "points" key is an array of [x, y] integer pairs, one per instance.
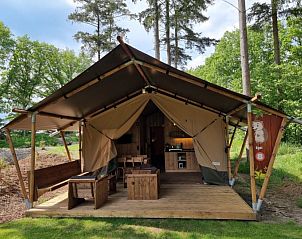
{"points": [[60, 150], [147, 228], [3, 163]]}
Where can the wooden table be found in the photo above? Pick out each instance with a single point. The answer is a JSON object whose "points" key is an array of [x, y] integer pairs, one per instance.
{"points": [[143, 184]]}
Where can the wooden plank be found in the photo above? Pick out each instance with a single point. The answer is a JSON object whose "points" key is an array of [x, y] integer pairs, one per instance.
{"points": [[32, 159], [251, 156], [65, 145], [16, 163], [205, 202], [240, 155]]}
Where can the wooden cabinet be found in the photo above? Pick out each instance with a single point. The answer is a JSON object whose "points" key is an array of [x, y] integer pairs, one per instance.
{"points": [[143, 185], [181, 162]]}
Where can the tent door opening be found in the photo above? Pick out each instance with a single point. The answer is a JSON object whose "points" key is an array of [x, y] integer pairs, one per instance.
{"points": [[157, 147]]}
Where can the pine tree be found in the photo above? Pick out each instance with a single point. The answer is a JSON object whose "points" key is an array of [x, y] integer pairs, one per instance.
{"points": [[102, 16]]}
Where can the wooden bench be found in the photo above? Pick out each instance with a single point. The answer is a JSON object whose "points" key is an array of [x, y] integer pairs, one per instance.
{"points": [[98, 187], [51, 178]]}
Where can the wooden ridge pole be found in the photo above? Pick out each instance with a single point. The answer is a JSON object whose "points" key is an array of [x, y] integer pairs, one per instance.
{"points": [[251, 156], [15, 159], [227, 142], [240, 156], [65, 145], [271, 164], [32, 160]]}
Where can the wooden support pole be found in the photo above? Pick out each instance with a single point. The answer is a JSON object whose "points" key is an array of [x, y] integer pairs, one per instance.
{"points": [[65, 145], [32, 160], [15, 159], [251, 156], [228, 151], [233, 134], [80, 142], [271, 164], [240, 156]]}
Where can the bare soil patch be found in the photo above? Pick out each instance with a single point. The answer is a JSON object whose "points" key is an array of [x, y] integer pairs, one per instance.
{"points": [[280, 203]]}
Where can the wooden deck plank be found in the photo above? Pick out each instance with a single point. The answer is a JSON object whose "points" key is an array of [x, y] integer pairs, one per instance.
{"points": [[190, 200]]}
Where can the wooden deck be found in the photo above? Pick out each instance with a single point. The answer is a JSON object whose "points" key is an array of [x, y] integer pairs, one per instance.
{"points": [[177, 200]]}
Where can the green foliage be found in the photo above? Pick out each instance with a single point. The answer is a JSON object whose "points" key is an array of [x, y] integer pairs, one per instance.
{"points": [[299, 202], [145, 228], [101, 15], [23, 139], [33, 70], [279, 85]]}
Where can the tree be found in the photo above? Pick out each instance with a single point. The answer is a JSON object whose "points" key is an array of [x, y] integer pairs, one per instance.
{"points": [[101, 15], [61, 66], [176, 19], [36, 70], [262, 13], [183, 17], [6, 46], [150, 19], [223, 67], [24, 73]]}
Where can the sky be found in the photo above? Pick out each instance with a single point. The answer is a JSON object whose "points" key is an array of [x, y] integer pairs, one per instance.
{"points": [[46, 20]]}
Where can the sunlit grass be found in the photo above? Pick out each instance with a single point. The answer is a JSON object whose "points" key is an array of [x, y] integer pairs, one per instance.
{"points": [[147, 228]]}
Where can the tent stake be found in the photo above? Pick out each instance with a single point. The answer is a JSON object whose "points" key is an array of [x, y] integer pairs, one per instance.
{"points": [[65, 145], [240, 156], [15, 159], [32, 160], [251, 156], [271, 164]]}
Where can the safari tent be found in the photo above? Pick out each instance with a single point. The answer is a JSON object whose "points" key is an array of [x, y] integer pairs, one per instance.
{"points": [[129, 103]]}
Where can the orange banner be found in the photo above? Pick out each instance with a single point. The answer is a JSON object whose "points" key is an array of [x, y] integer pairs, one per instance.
{"points": [[265, 131]]}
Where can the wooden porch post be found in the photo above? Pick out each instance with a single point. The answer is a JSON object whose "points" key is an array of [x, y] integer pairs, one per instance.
{"points": [[15, 159], [65, 145], [240, 156], [251, 156], [32, 160], [271, 164], [228, 151], [80, 144]]}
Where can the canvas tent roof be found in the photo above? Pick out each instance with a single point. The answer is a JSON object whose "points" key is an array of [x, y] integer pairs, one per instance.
{"points": [[119, 76]]}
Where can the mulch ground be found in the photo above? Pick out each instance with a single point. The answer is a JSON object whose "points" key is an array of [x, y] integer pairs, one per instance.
{"points": [[11, 200], [279, 205]]}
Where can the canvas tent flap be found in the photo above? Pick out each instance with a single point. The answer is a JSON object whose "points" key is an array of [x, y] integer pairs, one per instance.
{"points": [[206, 128], [99, 132]]}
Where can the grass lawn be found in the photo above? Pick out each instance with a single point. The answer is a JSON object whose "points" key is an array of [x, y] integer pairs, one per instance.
{"points": [[147, 228]]}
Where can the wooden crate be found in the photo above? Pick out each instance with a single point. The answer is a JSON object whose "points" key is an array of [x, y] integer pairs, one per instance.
{"points": [[143, 186]]}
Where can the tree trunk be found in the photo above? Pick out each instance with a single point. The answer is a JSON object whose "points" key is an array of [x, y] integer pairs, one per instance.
{"points": [[98, 36], [275, 32], [246, 84], [176, 37], [168, 32], [156, 30]]}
